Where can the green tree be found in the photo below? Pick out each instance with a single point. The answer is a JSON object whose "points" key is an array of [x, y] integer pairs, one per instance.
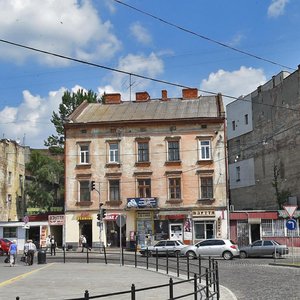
{"points": [[70, 101], [46, 185]]}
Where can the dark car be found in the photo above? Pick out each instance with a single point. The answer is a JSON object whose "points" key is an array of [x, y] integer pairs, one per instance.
{"points": [[4, 246], [163, 247], [264, 248]]}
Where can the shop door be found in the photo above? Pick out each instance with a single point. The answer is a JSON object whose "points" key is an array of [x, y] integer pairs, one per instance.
{"points": [[176, 232], [242, 234]]}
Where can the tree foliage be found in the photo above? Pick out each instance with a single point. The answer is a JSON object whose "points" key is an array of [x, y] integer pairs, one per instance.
{"points": [[70, 101], [46, 184]]}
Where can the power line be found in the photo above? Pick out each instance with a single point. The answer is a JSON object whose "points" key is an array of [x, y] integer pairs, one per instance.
{"points": [[133, 74], [204, 37]]}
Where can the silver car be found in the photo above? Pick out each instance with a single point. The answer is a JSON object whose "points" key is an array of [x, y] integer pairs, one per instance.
{"points": [[163, 247], [264, 248], [212, 247]]}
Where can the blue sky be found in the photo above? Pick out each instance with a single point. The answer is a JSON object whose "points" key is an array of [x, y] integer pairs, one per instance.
{"points": [[110, 34]]}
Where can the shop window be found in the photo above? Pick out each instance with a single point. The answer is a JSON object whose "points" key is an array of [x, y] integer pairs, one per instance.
{"points": [[173, 151], [144, 188], [9, 232], [114, 190], [174, 188], [84, 194], [84, 154], [143, 152], [204, 230], [114, 152], [206, 187]]}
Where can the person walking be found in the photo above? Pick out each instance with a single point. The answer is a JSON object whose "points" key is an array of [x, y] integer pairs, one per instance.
{"points": [[53, 245], [48, 243], [12, 253], [29, 250], [83, 242]]}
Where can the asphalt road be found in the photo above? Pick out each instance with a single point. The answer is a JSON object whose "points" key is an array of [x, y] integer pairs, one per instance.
{"points": [[248, 279]]}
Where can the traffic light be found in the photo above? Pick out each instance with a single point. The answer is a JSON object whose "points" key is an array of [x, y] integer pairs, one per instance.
{"points": [[92, 185], [98, 217], [103, 213]]}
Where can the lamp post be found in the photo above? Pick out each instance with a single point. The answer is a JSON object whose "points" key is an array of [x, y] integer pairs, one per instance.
{"points": [[92, 186]]}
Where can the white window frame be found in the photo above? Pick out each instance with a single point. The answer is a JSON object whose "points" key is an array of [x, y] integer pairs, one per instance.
{"points": [[84, 154], [205, 149], [113, 154]]}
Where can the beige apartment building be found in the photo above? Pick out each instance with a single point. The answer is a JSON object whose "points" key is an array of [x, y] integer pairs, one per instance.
{"points": [[158, 164]]}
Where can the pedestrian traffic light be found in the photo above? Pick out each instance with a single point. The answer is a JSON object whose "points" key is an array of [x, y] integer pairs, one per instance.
{"points": [[98, 217], [92, 185], [103, 213]]}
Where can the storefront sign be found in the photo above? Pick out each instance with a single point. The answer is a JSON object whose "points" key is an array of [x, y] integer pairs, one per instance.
{"points": [[56, 219], [204, 213], [141, 202], [143, 215], [84, 216], [111, 217]]}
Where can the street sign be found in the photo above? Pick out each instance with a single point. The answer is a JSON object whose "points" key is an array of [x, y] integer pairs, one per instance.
{"points": [[121, 221], [291, 224], [290, 209]]}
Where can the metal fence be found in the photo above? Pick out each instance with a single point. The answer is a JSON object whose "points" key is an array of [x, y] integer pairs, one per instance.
{"points": [[202, 274]]}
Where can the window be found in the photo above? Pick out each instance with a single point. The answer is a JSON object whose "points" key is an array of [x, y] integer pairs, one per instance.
{"points": [[268, 243], [9, 179], [238, 173], [233, 125], [174, 188], [84, 154], [173, 151], [143, 151], [144, 188], [113, 152], [205, 150], [114, 190], [257, 244], [9, 198], [84, 193], [204, 230], [9, 232], [246, 119], [207, 188]]}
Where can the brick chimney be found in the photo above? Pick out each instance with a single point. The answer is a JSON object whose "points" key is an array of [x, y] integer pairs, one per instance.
{"points": [[164, 95], [112, 98], [142, 96], [190, 93]]}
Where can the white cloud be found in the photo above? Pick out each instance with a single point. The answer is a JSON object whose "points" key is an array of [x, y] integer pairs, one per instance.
{"points": [[276, 8], [140, 33], [236, 40], [69, 27], [150, 66], [235, 83], [31, 120]]}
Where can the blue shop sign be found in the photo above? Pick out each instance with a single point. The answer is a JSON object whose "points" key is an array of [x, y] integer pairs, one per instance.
{"points": [[141, 202]]}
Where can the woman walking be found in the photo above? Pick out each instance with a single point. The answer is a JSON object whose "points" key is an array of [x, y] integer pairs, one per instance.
{"points": [[12, 253]]}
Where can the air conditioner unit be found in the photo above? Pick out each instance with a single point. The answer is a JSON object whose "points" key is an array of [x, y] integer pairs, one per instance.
{"points": [[231, 207]]}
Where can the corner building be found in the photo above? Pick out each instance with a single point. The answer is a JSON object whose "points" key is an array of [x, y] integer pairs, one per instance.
{"points": [[160, 163]]}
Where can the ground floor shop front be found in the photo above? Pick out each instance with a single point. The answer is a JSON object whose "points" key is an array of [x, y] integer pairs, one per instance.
{"points": [[144, 227], [249, 226]]}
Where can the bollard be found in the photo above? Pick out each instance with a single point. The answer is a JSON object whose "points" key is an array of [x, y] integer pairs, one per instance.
{"points": [[200, 267], [105, 258], [195, 286], [177, 256], [86, 295], [167, 262], [133, 292], [171, 288]]}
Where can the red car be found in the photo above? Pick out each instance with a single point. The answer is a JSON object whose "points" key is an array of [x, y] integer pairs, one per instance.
{"points": [[4, 246]]}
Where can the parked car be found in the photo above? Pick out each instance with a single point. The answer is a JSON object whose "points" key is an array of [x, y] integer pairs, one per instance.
{"points": [[162, 247], [264, 248], [212, 247], [4, 246]]}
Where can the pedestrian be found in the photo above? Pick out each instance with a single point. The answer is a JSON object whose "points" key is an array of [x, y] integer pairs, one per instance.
{"points": [[48, 243], [29, 250], [12, 253], [53, 245], [83, 242]]}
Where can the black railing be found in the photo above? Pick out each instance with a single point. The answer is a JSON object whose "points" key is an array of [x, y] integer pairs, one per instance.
{"points": [[204, 272]]}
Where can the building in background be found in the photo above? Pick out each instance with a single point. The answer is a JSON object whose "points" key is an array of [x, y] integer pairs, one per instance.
{"points": [[161, 164], [264, 160], [12, 199]]}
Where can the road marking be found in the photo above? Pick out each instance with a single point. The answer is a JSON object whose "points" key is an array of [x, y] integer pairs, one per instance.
{"points": [[12, 280]]}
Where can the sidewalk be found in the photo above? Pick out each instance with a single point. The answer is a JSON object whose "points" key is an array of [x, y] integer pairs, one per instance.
{"points": [[62, 281]]}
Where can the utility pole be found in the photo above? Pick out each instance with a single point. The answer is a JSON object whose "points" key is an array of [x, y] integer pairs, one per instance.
{"points": [[100, 214]]}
